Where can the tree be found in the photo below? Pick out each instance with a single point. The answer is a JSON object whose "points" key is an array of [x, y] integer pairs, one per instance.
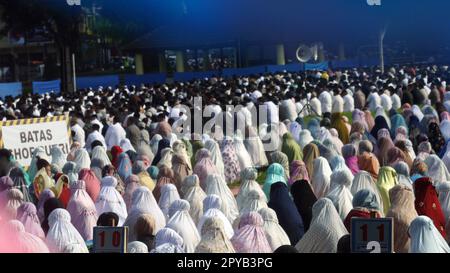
{"points": [[60, 21]]}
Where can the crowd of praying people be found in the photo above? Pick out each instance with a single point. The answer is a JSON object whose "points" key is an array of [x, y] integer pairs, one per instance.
{"points": [[346, 143]]}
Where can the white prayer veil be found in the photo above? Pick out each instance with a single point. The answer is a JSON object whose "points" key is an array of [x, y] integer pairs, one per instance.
{"points": [[181, 222], [275, 234], [169, 194], [425, 238], [62, 234], [320, 180], [325, 230], [215, 184], [110, 200], [212, 208], [340, 194]]}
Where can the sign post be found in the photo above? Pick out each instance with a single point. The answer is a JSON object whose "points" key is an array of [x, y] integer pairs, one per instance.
{"points": [[373, 235], [23, 136], [110, 239]]}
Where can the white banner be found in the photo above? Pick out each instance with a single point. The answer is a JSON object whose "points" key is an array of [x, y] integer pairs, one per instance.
{"points": [[22, 137]]}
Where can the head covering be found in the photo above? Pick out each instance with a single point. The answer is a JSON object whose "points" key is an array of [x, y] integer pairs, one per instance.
{"points": [[298, 172], [165, 176], [326, 223], [275, 234], [427, 203], [115, 152], [403, 211], [282, 159], [275, 173], [425, 238], [369, 163], [364, 204], [181, 222], [250, 237], [310, 152], [340, 192], [230, 161], [14, 198], [304, 199], [82, 160], [213, 238], [91, 181], [248, 184], [204, 166], [216, 185], [100, 153], [110, 200], [62, 236], [181, 168], [387, 179], [351, 158], [169, 194], [143, 202], [437, 169], [125, 167], [287, 213], [15, 239], [82, 210], [212, 208], [443, 190], [194, 194], [162, 144], [290, 147], [168, 241], [27, 214], [244, 157], [255, 148], [320, 179], [58, 156], [137, 247]]}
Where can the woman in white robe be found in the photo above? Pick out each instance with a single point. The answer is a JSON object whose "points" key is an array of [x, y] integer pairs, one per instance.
{"points": [[182, 223]]}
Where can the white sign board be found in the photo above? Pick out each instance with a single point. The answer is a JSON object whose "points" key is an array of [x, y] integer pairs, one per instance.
{"points": [[110, 239], [23, 136], [374, 235]]}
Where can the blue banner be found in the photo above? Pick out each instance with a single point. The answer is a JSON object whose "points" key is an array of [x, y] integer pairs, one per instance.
{"points": [[10, 89], [318, 66], [352, 63], [246, 71], [189, 76], [294, 67], [153, 78], [47, 87], [97, 81]]}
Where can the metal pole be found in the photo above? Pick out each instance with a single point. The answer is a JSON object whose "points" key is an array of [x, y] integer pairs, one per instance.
{"points": [[74, 73], [382, 33]]}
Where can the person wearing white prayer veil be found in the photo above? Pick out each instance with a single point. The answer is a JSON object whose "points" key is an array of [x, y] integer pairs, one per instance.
{"points": [[287, 110], [325, 230], [168, 241], [349, 103], [100, 153], [62, 234], [143, 202], [78, 131], [215, 184], [126, 146], [244, 157], [58, 157], [115, 134], [340, 194], [425, 238], [325, 101], [212, 208], [295, 128], [305, 138], [437, 169], [363, 180], [316, 106], [182, 223], [166, 158], [137, 247], [255, 147], [216, 155], [255, 201], [320, 180], [275, 234], [195, 195], [248, 184], [374, 101], [82, 160], [443, 190], [154, 143], [110, 200], [386, 102], [396, 101], [93, 136], [213, 238], [169, 194]]}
